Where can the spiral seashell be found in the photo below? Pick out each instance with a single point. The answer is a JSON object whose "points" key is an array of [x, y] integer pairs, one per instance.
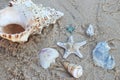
{"points": [[75, 70], [22, 18]]}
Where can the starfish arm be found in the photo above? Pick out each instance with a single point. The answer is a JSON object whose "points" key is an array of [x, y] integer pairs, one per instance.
{"points": [[79, 54], [79, 44], [63, 45], [71, 39], [66, 54]]}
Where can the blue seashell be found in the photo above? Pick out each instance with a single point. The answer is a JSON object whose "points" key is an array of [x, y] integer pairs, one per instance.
{"points": [[102, 57]]}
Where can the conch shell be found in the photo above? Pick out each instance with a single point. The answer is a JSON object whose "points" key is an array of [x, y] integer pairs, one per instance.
{"points": [[75, 70], [22, 18]]}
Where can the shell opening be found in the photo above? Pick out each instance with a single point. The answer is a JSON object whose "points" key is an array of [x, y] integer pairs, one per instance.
{"points": [[13, 29]]}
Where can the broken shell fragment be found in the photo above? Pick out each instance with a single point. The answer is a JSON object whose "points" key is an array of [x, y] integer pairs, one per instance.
{"points": [[47, 56], [90, 30], [102, 57], [75, 70], [24, 18]]}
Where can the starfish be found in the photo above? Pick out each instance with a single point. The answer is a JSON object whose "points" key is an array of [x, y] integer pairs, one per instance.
{"points": [[71, 47]]}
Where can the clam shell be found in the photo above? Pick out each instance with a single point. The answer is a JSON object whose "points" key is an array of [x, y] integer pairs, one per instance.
{"points": [[47, 56], [23, 18], [75, 70]]}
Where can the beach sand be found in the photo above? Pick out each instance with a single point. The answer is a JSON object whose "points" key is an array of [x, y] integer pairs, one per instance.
{"points": [[21, 62]]}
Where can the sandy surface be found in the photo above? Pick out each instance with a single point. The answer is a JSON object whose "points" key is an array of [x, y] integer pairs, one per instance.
{"points": [[20, 61]]}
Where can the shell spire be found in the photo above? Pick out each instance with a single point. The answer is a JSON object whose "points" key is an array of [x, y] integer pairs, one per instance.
{"points": [[75, 70], [66, 65]]}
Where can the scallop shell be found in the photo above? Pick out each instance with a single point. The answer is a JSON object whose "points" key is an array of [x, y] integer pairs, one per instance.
{"points": [[48, 56], [23, 18], [75, 70]]}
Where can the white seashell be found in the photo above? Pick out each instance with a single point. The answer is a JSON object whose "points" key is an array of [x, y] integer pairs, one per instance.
{"points": [[90, 30], [47, 56], [24, 18], [75, 70]]}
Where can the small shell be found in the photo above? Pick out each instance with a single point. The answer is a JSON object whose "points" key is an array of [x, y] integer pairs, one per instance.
{"points": [[90, 30], [24, 18], [75, 70], [47, 56]]}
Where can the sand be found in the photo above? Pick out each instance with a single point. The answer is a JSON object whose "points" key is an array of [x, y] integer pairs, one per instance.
{"points": [[20, 61]]}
